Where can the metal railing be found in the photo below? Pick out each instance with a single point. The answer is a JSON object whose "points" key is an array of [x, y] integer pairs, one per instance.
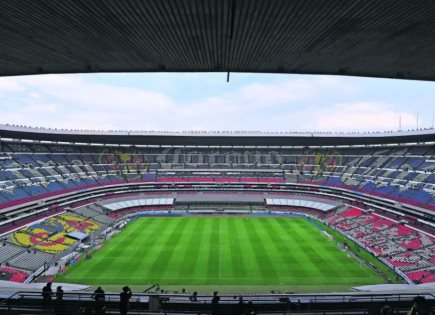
{"points": [[83, 303]]}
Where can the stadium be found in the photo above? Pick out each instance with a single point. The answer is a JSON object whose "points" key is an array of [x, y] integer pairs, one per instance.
{"points": [[276, 222]]}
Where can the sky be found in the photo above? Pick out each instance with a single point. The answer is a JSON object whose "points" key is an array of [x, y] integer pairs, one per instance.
{"points": [[205, 101]]}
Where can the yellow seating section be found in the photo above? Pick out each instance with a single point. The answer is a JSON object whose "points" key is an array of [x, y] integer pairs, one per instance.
{"points": [[40, 238]]}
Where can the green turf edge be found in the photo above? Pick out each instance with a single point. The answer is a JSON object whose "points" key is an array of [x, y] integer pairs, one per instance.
{"points": [[360, 251]]}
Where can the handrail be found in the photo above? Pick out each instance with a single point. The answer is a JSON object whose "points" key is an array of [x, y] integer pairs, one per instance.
{"points": [[346, 303], [231, 298]]}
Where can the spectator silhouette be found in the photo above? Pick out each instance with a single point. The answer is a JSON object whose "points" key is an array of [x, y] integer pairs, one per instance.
{"points": [[124, 298], [216, 298], [241, 306], [215, 303], [59, 293], [46, 293], [59, 298], [420, 307], [99, 296], [194, 297]]}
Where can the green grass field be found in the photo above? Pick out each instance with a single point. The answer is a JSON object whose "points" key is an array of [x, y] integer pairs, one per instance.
{"points": [[254, 253]]}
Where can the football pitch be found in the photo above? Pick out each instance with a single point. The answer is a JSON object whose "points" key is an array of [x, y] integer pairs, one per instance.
{"points": [[220, 252]]}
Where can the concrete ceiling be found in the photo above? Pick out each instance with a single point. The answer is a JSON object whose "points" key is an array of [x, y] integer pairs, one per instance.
{"points": [[374, 38]]}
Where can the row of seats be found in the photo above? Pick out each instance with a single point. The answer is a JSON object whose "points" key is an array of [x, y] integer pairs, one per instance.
{"points": [[8, 250], [13, 274], [30, 261], [413, 156], [95, 213]]}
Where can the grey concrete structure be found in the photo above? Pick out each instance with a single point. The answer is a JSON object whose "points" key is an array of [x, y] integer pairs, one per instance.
{"points": [[390, 39]]}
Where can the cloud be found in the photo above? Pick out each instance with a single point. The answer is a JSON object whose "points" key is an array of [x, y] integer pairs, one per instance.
{"points": [[312, 103], [281, 92], [360, 116], [8, 85]]}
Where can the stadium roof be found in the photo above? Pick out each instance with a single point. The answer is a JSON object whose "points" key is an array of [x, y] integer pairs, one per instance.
{"points": [[389, 38], [217, 138]]}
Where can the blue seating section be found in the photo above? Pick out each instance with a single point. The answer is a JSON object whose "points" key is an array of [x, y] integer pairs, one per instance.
{"points": [[391, 171], [415, 162], [397, 162], [33, 190], [25, 159], [42, 159]]}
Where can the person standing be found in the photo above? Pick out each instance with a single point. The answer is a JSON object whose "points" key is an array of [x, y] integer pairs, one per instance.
{"points": [[46, 293], [58, 308], [99, 296], [59, 294], [124, 298], [215, 303], [194, 297]]}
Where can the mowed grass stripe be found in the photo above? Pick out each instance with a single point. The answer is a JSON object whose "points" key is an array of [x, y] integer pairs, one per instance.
{"points": [[313, 262], [220, 251], [336, 258], [284, 251], [306, 254], [228, 260], [252, 265], [106, 266], [179, 248], [190, 259], [164, 249], [144, 249], [273, 256], [138, 262], [214, 259], [298, 258], [260, 250], [200, 272], [235, 248], [324, 255]]}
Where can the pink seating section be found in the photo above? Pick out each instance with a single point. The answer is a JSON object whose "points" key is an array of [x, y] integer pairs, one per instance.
{"points": [[382, 223], [421, 276], [407, 259], [407, 249], [412, 244], [404, 230], [210, 179], [226, 179], [353, 212], [12, 274]]}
